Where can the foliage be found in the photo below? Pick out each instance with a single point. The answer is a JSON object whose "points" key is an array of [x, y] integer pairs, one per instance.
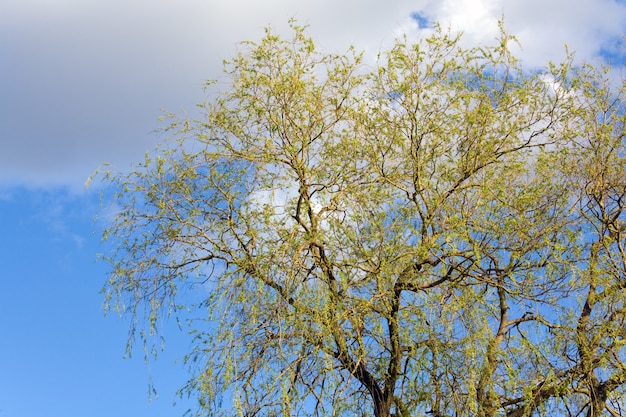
{"points": [[440, 235]]}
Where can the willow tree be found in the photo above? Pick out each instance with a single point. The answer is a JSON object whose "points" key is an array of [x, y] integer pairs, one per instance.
{"points": [[441, 234]]}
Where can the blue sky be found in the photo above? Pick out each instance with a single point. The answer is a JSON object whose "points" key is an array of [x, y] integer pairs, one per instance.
{"points": [[58, 354], [83, 82]]}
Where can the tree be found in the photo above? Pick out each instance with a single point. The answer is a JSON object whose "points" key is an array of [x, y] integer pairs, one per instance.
{"points": [[442, 234]]}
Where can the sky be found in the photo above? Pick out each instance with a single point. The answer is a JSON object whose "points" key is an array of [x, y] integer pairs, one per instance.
{"points": [[83, 82]]}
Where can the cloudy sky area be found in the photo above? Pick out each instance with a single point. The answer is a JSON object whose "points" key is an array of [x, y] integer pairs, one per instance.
{"points": [[83, 82]]}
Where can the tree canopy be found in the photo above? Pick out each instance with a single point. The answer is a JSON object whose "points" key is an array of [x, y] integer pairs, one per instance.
{"points": [[440, 234]]}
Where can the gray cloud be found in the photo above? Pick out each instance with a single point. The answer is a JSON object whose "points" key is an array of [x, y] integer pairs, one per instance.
{"points": [[83, 81], [84, 86]]}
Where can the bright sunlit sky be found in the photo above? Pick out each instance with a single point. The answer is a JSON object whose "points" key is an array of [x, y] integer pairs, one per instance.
{"points": [[83, 82]]}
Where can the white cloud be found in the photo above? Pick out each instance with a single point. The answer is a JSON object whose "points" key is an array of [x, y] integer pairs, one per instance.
{"points": [[544, 27], [478, 19]]}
